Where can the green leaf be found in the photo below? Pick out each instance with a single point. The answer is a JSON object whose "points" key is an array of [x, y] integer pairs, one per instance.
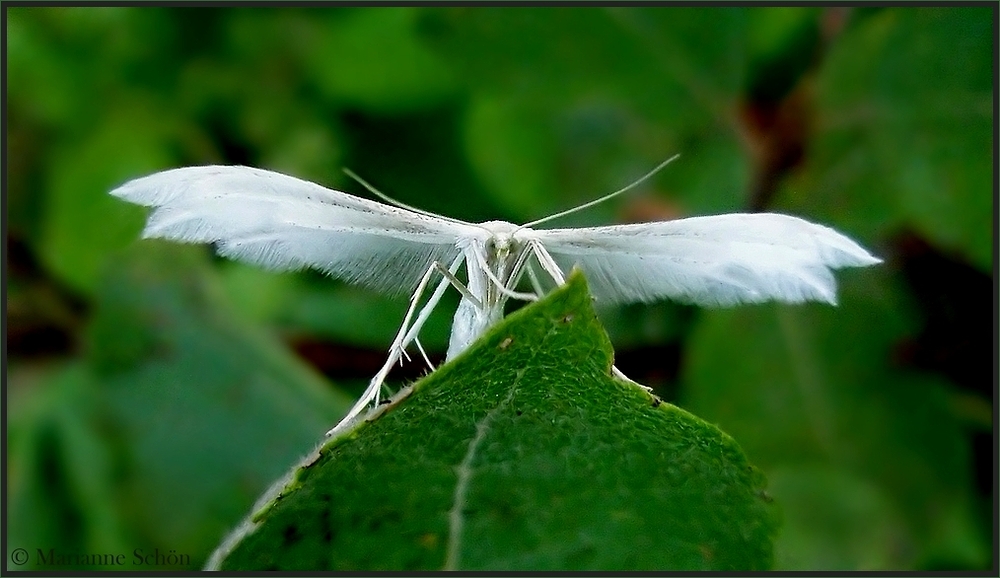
{"points": [[82, 224], [905, 131], [555, 118], [556, 55], [524, 453], [178, 418], [810, 392], [835, 520], [211, 408], [372, 59], [61, 470], [512, 151]]}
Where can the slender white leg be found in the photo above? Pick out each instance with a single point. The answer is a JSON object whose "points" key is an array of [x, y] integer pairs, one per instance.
{"points": [[514, 280], [547, 262], [431, 303], [550, 266], [398, 348], [406, 333], [457, 284], [517, 273], [500, 285], [420, 347], [535, 284]]}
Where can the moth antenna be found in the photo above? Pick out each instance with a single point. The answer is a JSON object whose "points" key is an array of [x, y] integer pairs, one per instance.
{"points": [[624, 189], [393, 201]]}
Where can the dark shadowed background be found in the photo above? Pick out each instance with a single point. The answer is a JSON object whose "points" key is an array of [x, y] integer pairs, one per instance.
{"points": [[154, 391]]}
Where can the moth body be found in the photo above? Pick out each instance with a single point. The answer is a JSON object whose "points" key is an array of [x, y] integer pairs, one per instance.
{"points": [[497, 252]]}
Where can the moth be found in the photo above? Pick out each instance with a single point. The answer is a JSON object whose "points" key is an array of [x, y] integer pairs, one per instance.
{"points": [[281, 222]]}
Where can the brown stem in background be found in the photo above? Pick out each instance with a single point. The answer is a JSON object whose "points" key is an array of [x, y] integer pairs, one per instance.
{"points": [[776, 133]]}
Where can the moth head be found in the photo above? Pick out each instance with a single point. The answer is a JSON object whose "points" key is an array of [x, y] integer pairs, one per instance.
{"points": [[501, 238]]}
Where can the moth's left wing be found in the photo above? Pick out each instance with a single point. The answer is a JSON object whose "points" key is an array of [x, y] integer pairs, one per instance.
{"points": [[281, 222], [712, 261]]}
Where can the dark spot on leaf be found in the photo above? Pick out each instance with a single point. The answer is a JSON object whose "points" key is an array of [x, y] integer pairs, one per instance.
{"points": [[384, 401], [382, 517], [329, 530], [567, 318], [291, 535], [657, 401]]}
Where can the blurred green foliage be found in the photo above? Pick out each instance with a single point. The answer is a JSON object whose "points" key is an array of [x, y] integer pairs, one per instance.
{"points": [[151, 393]]}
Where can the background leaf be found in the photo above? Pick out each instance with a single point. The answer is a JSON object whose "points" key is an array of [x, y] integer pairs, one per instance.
{"points": [[172, 388], [839, 426], [559, 94], [905, 133]]}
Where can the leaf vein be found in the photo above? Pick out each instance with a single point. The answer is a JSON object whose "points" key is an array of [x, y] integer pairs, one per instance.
{"points": [[464, 473]]}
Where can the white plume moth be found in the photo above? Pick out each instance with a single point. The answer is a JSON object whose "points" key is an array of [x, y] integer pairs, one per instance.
{"points": [[284, 223]]}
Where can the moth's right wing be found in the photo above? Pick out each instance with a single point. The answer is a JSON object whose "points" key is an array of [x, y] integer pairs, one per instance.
{"points": [[715, 260], [284, 223]]}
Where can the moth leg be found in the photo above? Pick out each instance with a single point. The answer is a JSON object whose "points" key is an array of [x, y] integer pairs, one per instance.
{"points": [[535, 283], [501, 285], [435, 297], [398, 347], [518, 273], [407, 332], [402, 337], [547, 262], [423, 353], [457, 284], [514, 280], [550, 266]]}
